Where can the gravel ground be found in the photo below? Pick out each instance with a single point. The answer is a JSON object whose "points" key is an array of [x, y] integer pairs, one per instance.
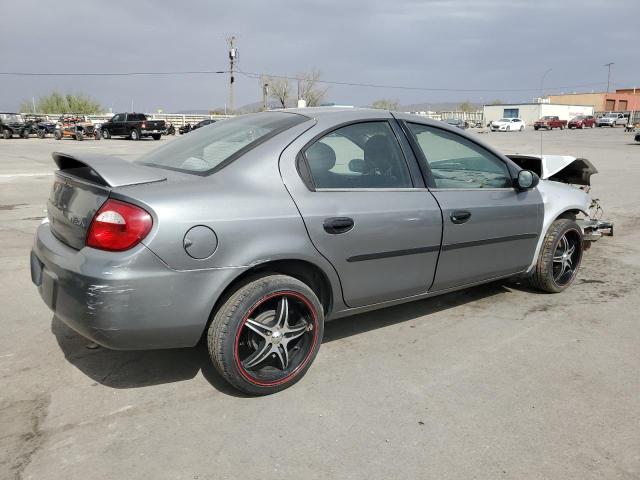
{"points": [[492, 382]]}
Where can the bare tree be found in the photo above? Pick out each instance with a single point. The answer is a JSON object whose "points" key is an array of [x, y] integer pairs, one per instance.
{"points": [[384, 104], [279, 89], [310, 91], [467, 107]]}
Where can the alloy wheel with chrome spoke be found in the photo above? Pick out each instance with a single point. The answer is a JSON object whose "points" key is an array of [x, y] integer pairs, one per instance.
{"points": [[265, 336], [565, 258], [276, 337]]}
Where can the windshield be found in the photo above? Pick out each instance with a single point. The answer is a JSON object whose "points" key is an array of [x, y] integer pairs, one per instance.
{"points": [[205, 150]]}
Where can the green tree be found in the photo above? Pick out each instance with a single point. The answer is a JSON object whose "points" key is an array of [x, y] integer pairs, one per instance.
{"points": [[56, 102], [467, 106], [384, 104]]}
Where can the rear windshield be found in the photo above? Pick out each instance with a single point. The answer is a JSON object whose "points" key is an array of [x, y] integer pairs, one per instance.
{"points": [[206, 150]]}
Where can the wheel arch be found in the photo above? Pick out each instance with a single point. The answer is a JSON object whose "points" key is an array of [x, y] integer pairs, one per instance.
{"points": [[309, 273]]}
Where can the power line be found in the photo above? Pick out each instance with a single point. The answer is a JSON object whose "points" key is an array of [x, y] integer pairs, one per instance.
{"points": [[291, 77]]}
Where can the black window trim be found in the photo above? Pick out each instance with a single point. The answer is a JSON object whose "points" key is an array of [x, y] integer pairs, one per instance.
{"points": [[302, 163], [424, 164]]}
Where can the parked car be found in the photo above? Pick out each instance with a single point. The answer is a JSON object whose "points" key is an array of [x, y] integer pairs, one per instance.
{"points": [[456, 122], [582, 121], [12, 124], [549, 122], [611, 119], [134, 126], [507, 125], [188, 127], [77, 127], [252, 232]]}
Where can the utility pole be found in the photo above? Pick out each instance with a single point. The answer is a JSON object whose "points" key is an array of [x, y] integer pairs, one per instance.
{"points": [[265, 92], [233, 59], [608, 65]]}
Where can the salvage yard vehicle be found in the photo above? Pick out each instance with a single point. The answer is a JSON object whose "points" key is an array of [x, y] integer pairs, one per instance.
{"points": [[252, 232], [507, 125], [134, 126], [549, 122], [77, 127], [582, 121], [611, 119], [13, 124], [41, 125], [188, 127]]}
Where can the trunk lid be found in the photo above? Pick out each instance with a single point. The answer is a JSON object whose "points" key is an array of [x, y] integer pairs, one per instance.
{"points": [[82, 184]]}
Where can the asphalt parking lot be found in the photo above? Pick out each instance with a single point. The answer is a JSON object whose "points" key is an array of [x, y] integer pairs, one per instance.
{"points": [[492, 382]]}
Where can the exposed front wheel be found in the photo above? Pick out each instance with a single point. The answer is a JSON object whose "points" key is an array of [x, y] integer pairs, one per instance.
{"points": [[265, 336], [559, 258]]}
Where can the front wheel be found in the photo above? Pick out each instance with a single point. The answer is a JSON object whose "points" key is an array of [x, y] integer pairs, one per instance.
{"points": [[559, 258], [264, 338], [57, 135], [105, 134], [41, 134]]}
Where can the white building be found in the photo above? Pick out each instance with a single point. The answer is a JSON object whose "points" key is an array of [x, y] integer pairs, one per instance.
{"points": [[530, 112]]}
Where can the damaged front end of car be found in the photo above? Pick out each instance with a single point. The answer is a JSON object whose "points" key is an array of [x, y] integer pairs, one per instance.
{"points": [[574, 172]]}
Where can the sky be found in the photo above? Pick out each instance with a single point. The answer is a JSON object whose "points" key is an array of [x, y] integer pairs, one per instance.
{"points": [[446, 47]]}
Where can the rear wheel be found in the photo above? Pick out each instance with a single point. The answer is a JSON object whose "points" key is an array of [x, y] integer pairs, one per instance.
{"points": [[559, 258], [42, 133], [25, 133], [6, 134], [79, 136], [57, 135], [97, 135], [135, 135], [265, 336], [521, 128]]}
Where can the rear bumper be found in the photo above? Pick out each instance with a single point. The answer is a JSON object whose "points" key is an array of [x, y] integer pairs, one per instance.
{"points": [[124, 300], [147, 133]]}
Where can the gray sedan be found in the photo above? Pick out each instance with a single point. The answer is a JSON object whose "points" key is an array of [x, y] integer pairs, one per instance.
{"points": [[252, 232]]}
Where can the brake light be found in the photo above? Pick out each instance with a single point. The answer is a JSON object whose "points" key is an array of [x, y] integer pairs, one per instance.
{"points": [[143, 125], [118, 226]]}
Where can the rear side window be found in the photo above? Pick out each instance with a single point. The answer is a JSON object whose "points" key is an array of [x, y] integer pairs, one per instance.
{"points": [[136, 117], [456, 162], [206, 150], [363, 155]]}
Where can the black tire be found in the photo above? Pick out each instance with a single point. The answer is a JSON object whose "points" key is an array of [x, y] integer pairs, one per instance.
{"points": [[79, 136], [97, 135], [57, 134], [548, 274], [536, 128], [156, 137], [561, 127], [134, 135], [25, 133], [105, 134], [42, 133], [6, 134], [232, 344], [522, 128]]}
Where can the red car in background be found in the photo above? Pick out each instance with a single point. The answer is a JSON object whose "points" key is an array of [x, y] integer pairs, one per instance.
{"points": [[582, 121]]}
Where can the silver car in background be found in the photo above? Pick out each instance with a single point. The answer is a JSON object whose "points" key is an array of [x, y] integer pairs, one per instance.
{"points": [[252, 232]]}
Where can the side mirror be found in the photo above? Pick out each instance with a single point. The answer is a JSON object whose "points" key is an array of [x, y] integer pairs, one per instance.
{"points": [[527, 180]]}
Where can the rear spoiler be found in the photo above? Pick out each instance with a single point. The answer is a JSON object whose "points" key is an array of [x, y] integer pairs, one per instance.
{"points": [[106, 170]]}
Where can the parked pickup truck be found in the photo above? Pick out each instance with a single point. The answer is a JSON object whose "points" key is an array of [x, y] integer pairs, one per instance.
{"points": [[134, 126], [550, 122]]}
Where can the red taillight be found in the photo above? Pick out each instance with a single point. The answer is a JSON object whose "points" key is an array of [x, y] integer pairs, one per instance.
{"points": [[118, 226], [143, 125]]}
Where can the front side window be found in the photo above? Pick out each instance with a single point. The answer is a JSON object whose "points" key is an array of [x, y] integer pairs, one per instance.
{"points": [[207, 149], [363, 155], [118, 118], [456, 162]]}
